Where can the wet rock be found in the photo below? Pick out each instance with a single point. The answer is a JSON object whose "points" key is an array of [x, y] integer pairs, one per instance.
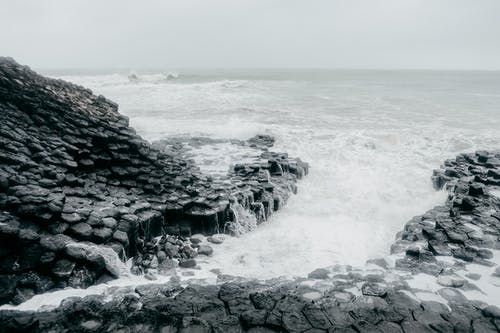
{"points": [[473, 276], [379, 262], [196, 239], [28, 235], [205, 250], [81, 231], [121, 237], [215, 239], [491, 311], [187, 263], [109, 222], [54, 243], [22, 295], [476, 189], [194, 324], [91, 325], [373, 289], [63, 268], [47, 257], [188, 251], [4, 183], [71, 218], [81, 277], [171, 250], [102, 234], [150, 277], [320, 273]]}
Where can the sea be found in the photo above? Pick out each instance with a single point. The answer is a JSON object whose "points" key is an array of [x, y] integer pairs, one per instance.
{"points": [[372, 139]]}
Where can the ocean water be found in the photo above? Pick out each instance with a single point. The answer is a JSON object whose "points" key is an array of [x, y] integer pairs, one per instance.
{"points": [[372, 139]]}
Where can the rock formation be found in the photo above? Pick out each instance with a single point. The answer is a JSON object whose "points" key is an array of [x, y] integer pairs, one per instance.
{"points": [[76, 182], [78, 186], [378, 298], [467, 227]]}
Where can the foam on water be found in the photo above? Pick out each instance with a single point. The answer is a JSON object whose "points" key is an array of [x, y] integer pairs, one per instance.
{"points": [[53, 299], [372, 140], [217, 158], [487, 286]]}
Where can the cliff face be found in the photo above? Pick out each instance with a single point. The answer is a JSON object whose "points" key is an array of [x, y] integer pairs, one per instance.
{"points": [[74, 175]]}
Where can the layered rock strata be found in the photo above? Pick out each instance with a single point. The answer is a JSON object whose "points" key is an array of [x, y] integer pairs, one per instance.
{"points": [[76, 181]]}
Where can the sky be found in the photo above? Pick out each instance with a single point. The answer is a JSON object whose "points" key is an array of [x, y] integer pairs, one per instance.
{"points": [[378, 34]]}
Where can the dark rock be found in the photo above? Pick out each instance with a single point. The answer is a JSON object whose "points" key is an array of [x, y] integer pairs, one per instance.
{"points": [[81, 231], [476, 189], [102, 234], [121, 237], [171, 250], [54, 243], [109, 222], [214, 239], [373, 289], [187, 263], [63, 268], [188, 251], [491, 311], [47, 257], [91, 325], [4, 183], [71, 218], [8, 285], [205, 250], [22, 295], [81, 277]]}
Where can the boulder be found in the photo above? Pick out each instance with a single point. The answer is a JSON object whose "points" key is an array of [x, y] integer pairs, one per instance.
{"points": [[81, 231], [187, 263], [63, 268], [205, 250]]}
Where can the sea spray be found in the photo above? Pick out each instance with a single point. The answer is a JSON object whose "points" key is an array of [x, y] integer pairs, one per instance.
{"points": [[243, 221], [372, 139]]}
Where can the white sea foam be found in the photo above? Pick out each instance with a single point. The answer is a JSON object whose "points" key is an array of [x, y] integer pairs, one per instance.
{"points": [[372, 139], [54, 298], [217, 158]]}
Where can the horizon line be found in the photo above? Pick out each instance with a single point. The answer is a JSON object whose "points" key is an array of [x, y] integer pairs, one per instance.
{"points": [[120, 68]]}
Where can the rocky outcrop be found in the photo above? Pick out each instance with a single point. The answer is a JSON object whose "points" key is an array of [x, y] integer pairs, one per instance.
{"points": [[378, 298], [78, 189], [466, 228], [77, 181], [349, 302]]}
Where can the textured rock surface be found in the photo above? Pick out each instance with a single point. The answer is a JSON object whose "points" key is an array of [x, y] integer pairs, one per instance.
{"points": [[466, 228], [74, 178], [262, 307], [72, 170]]}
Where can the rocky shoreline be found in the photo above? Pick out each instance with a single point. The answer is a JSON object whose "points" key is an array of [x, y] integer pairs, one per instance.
{"points": [[381, 297], [79, 189], [72, 169]]}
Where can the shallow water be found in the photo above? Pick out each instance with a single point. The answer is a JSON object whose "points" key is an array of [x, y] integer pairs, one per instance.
{"points": [[372, 139]]}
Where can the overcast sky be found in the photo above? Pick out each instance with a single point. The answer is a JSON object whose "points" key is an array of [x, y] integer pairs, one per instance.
{"points": [[447, 34]]}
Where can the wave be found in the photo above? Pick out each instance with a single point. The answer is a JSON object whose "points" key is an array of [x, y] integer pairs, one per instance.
{"points": [[120, 80], [153, 78]]}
